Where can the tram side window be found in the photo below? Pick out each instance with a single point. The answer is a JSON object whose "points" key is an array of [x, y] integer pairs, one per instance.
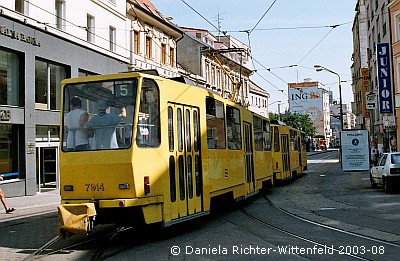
{"points": [[258, 133], [148, 134], [266, 135], [234, 128], [277, 147], [215, 124], [303, 141], [293, 140], [170, 128]]}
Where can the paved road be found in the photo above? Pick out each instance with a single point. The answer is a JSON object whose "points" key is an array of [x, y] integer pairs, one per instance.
{"points": [[324, 194]]}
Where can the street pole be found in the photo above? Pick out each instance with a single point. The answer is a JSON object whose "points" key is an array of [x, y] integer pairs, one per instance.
{"points": [[319, 68], [279, 111]]}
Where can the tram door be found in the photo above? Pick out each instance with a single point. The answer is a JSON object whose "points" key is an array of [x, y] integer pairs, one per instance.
{"points": [[185, 161], [300, 148], [285, 156], [248, 148]]}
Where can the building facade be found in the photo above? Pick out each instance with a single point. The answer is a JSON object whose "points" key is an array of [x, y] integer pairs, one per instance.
{"points": [[219, 63], [394, 8], [43, 42], [312, 98], [376, 81], [360, 70]]}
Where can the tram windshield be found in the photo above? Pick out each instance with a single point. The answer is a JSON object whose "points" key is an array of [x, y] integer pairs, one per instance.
{"points": [[99, 115]]}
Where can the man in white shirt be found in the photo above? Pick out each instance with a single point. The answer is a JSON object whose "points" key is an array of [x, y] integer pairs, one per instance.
{"points": [[77, 136]]}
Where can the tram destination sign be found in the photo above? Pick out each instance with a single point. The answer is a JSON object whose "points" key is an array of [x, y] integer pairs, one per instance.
{"points": [[354, 150]]}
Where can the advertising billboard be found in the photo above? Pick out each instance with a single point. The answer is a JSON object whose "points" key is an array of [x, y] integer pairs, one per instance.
{"points": [[307, 98], [354, 150]]}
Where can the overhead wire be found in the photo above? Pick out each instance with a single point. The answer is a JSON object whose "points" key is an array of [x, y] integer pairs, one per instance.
{"points": [[269, 8], [194, 10]]}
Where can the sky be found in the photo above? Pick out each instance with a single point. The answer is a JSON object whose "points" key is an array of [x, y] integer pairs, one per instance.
{"points": [[287, 38]]}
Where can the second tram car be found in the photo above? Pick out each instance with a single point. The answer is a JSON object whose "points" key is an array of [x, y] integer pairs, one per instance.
{"points": [[153, 150], [289, 152]]}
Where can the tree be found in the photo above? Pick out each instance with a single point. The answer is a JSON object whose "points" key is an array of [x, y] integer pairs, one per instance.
{"points": [[296, 120]]}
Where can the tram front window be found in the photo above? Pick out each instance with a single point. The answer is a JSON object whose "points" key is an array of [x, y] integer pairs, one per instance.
{"points": [[99, 115]]}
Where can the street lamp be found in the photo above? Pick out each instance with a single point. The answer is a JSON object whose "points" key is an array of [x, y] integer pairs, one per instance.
{"points": [[279, 116], [319, 68]]}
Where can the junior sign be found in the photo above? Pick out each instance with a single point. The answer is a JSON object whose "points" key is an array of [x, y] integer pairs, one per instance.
{"points": [[354, 150], [385, 85]]}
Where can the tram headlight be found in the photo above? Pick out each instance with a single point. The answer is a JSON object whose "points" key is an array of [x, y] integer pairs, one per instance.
{"points": [[68, 187]]}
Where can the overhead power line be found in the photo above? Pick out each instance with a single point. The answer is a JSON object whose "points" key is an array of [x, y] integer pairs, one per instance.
{"points": [[262, 16]]}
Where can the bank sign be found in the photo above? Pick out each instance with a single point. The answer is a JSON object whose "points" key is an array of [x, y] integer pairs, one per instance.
{"points": [[385, 85]]}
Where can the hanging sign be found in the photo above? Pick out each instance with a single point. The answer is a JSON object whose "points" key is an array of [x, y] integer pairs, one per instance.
{"points": [[370, 100], [385, 85]]}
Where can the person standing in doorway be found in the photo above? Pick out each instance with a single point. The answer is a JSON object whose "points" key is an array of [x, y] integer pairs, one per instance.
{"points": [[77, 136]]}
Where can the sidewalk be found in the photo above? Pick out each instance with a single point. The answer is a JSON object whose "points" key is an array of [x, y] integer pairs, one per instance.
{"points": [[28, 206]]}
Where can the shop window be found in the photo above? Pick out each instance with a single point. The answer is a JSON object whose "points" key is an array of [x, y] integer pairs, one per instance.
{"points": [[9, 151], [48, 79], [10, 79]]}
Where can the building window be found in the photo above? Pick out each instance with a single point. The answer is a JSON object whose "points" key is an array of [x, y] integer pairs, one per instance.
{"points": [[60, 14], [10, 79], [163, 53], [22, 6], [46, 133], [397, 27], [90, 28], [136, 42], [84, 73], [48, 78], [10, 140], [113, 36], [172, 57], [148, 47]]}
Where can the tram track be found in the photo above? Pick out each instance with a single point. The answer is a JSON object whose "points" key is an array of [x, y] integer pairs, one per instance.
{"points": [[102, 242], [369, 248]]}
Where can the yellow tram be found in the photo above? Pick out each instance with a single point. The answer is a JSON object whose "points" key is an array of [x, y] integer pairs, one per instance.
{"points": [[173, 149], [289, 152]]}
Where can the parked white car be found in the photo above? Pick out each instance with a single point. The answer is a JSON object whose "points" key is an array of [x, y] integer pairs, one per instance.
{"points": [[386, 172]]}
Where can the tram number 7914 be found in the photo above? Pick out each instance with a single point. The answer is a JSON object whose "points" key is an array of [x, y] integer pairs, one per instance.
{"points": [[95, 187]]}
